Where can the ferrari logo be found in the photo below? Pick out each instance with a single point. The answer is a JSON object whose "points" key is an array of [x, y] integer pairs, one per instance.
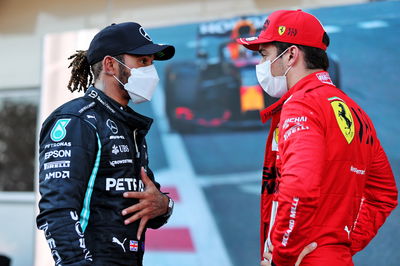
{"points": [[344, 119], [281, 30], [276, 135], [275, 139]]}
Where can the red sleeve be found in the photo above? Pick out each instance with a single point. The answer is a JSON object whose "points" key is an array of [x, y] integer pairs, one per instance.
{"points": [[379, 199], [302, 148]]}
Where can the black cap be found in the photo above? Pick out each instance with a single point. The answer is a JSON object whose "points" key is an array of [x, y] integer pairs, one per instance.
{"points": [[126, 38]]}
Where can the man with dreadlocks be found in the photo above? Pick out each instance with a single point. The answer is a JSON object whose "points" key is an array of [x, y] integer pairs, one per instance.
{"points": [[98, 194]]}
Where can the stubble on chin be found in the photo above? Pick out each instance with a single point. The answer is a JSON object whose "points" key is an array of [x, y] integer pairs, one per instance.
{"points": [[123, 76]]}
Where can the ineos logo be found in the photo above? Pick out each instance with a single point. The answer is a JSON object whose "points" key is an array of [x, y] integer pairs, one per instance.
{"points": [[112, 126], [144, 34]]}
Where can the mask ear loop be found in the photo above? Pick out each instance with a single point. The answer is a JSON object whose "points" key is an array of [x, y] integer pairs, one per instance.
{"points": [[121, 63], [119, 80], [280, 55], [287, 71], [124, 66]]}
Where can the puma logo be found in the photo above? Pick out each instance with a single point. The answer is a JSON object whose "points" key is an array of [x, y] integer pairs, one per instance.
{"points": [[115, 240], [348, 231]]}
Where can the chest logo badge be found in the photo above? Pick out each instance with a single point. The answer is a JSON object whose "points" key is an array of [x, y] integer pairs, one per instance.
{"points": [[344, 119], [112, 126]]}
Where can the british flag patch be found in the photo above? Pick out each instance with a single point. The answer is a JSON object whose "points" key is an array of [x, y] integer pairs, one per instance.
{"points": [[133, 245]]}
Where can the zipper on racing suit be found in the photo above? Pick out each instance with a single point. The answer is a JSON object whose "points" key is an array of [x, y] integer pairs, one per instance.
{"points": [[136, 146]]}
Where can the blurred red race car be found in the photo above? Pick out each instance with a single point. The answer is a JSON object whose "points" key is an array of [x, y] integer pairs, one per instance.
{"points": [[219, 90]]}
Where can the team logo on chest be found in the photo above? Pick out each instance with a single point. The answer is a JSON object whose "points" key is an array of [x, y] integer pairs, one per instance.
{"points": [[112, 126], [275, 139], [59, 132], [343, 118]]}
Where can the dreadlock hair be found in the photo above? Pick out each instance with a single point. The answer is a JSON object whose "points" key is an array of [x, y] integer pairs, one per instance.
{"points": [[80, 72]]}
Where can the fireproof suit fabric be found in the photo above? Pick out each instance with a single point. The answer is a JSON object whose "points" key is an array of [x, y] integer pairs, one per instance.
{"points": [[91, 152], [326, 177]]}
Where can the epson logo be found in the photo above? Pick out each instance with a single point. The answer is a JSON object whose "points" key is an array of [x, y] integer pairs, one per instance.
{"points": [[57, 154], [60, 174], [124, 184]]}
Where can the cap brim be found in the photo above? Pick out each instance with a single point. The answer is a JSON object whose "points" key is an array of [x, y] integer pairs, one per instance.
{"points": [[160, 51], [252, 43]]}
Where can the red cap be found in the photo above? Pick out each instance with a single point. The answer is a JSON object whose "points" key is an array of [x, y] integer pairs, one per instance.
{"points": [[290, 26]]}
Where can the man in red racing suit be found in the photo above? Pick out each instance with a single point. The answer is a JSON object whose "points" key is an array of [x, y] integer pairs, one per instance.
{"points": [[326, 178]]}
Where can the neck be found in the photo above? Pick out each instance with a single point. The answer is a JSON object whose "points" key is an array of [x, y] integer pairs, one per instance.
{"points": [[297, 75], [112, 91]]}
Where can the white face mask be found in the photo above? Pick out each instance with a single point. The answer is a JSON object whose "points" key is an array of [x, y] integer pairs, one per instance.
{"points": [[275, 86], [141, 83]]}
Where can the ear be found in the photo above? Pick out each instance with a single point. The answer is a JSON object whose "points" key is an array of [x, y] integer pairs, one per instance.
{"points": [[110, 66], [294, 55]]}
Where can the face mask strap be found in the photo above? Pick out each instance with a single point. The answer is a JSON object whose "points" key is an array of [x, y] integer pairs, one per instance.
{"points": [[121, 63], [280, 55], [287, 71], [118, 79]]}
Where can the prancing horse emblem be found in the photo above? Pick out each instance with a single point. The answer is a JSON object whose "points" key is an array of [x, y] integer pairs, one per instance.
{"points": [[344, 119]]}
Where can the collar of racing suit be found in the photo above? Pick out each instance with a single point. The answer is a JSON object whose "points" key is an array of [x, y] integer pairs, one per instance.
{"points": [[275, 108], [126, 114]]}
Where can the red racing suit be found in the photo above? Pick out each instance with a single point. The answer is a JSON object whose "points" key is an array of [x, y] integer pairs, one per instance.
{"points": [[326, 177]]}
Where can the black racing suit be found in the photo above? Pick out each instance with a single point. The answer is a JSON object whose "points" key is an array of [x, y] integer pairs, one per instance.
{"points": [[91, 152]]}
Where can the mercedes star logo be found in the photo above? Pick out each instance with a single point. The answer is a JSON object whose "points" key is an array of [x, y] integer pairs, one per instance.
{"points": [[144, 33], [112, 126]]}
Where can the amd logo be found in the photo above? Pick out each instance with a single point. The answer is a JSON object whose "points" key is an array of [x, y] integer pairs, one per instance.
{"points": [[59, 174]]}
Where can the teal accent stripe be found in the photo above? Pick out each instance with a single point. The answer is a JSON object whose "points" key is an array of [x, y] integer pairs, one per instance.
{"points": [[85, 213]]}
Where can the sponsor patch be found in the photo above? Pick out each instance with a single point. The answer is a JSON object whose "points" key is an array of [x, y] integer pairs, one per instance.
{"points": [[57, 175], [295, 120], [56, 164], [357, 171], [249, 39], [117, 137], [117, 162], [124, 184], [292, 221], [324, 78], [58, 144], [57, 154], [59, 131], [344, 119], [119, 148], [133, 245], [83, 109], [294, 129]]}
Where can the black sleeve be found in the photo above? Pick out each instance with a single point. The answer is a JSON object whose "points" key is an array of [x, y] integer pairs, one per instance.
{"points": [[67, 156], [159, 221]]}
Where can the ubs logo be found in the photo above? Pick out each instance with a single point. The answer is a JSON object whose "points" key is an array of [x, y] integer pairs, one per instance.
{"points": [[112, 126]]}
